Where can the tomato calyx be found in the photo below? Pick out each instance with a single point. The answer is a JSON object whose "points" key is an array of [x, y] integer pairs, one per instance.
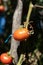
{"points": [[31, 32], [9, 54]]}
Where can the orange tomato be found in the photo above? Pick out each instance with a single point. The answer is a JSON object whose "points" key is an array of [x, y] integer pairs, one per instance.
{"points": [[2, 8], [5, 58], [21, 34]]}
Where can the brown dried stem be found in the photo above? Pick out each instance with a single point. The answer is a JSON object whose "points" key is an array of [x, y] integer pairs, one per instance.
{"points": [[39, 6]]}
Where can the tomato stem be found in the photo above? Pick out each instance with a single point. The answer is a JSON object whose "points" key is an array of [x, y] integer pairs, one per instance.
{"points": [[28, 15], [9, 53], [21, 59]]}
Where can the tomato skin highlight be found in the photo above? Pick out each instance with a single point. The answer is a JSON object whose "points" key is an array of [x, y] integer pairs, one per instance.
{"points": [[21, 34], [5, 58], [2, 8]]}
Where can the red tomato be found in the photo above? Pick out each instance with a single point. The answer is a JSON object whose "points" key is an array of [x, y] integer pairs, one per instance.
{"points": [[0, 58], [5, 58], [2, 8], [21, 34]]}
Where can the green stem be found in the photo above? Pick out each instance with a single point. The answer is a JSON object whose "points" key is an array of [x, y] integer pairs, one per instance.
{"points": [[29, 13], [22, 58]]}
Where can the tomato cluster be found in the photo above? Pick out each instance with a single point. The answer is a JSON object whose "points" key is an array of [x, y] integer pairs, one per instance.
{"points": [[5, 58]]}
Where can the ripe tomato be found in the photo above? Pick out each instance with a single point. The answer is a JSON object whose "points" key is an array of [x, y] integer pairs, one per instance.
{"points": [[21, 34], [5, 58], [0, 58], [2, 8]]}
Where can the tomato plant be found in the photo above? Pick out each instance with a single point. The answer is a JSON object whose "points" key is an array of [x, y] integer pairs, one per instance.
{"points": [[2, 8], [21, 34], [5, 58]]}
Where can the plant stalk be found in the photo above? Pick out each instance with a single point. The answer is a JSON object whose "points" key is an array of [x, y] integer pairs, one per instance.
{"points": [[28, 15]]}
